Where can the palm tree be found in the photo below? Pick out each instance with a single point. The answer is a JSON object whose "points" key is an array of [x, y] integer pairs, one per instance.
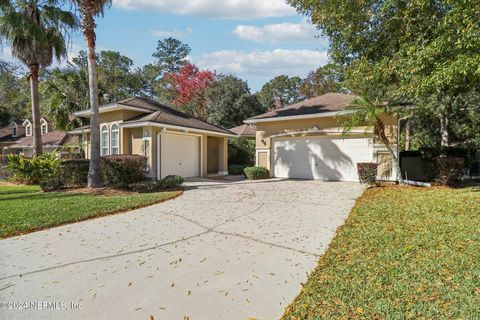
{"points": [[365, 112], [36, 31], [66, 91], [88, 10]]}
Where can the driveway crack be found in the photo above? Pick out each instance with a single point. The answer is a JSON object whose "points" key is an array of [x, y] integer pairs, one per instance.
{"points": [[207, 230]]}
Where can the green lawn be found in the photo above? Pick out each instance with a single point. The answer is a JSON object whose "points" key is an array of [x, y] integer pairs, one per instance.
{"points": [[25, 209], [404, 253]]}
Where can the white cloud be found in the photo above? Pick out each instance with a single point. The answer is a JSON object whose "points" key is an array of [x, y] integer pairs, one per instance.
{"points": [[262, 65], [73, 50], [281, 32], [179, 34], [223, 9]]}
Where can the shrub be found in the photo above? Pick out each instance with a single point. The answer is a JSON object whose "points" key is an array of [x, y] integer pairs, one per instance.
{"points": [[236, 168], [52, 183], [74, 172], [367, 173], [241, 151], [449, 169], [122, 170], [35, 169], [171, 181], [255, 173], [3, 167], [152, 186], [145, 186], [3, 160]]}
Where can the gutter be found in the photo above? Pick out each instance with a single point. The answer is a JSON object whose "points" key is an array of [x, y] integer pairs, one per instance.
{"points": [[170, 126], [321, 131], [304, 116], [111, 107]]}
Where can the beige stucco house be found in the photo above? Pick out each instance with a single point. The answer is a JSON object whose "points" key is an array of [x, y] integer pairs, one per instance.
{"points": [[173, 142], [304, 141]]}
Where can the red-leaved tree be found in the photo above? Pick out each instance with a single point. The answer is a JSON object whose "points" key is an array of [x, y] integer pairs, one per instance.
{"points": [[189, 85]]}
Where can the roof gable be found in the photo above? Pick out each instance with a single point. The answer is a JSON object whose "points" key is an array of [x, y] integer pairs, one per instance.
{"points": [[163, 114], [324, 104], [157, 113], [245, 130]]}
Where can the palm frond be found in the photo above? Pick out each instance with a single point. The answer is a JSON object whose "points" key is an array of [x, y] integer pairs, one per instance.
{"points": [[36, 30]]}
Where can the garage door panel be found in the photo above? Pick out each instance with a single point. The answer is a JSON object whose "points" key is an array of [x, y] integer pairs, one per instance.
{"points": [[320, 158], [180, 155]]}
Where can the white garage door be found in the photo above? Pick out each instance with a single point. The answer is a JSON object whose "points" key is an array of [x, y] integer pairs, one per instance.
{"points": [[180, 155], [321, 158]]}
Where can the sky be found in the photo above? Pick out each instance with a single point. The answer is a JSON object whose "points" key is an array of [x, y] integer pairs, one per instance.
{"points": [[255, 40]]}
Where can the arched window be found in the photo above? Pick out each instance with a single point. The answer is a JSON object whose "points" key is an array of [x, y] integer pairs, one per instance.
{"points": [[115, 139], [104, 141]]}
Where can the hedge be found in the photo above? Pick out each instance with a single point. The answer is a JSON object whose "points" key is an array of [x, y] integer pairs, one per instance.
{"points": [[255, 173], [74, 172], [168, 182], [121, 170]]}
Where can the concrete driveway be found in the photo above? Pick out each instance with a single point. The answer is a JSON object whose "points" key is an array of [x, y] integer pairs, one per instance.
{"points": [[223, 250]]}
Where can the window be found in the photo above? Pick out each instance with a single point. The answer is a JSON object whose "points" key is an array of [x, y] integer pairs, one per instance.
{"points": [[104, 141], [115, 139], [14, 131], [44, 129], [29, 130]]}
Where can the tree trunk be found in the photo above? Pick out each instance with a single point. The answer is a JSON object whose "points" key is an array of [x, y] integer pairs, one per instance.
{"points": [[408, 137], [395, 159], [444, 128], [94, 180], [35, 99], [443, 119]]}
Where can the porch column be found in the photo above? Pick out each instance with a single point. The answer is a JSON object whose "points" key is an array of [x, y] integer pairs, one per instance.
{"points": [[223, 157]]}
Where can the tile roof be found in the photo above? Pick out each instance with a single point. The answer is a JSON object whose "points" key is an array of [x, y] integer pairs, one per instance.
{"points": [[167, 115], [245, 130], [52, 138], [329, 102], [6, 135]]}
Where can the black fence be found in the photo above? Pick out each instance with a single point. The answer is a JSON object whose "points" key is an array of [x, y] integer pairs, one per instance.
{"points": [[420, 165]]}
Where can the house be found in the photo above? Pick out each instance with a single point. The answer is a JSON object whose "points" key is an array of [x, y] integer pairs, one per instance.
{"points": [[17, 138], [172, 141], [305, 141], [245, 130], [10, 134]]}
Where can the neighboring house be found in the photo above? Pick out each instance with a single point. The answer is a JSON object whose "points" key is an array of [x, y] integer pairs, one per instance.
{"points": [[245, 130], [17, 138], [304, 141], [173, 142], [10, 134]]}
